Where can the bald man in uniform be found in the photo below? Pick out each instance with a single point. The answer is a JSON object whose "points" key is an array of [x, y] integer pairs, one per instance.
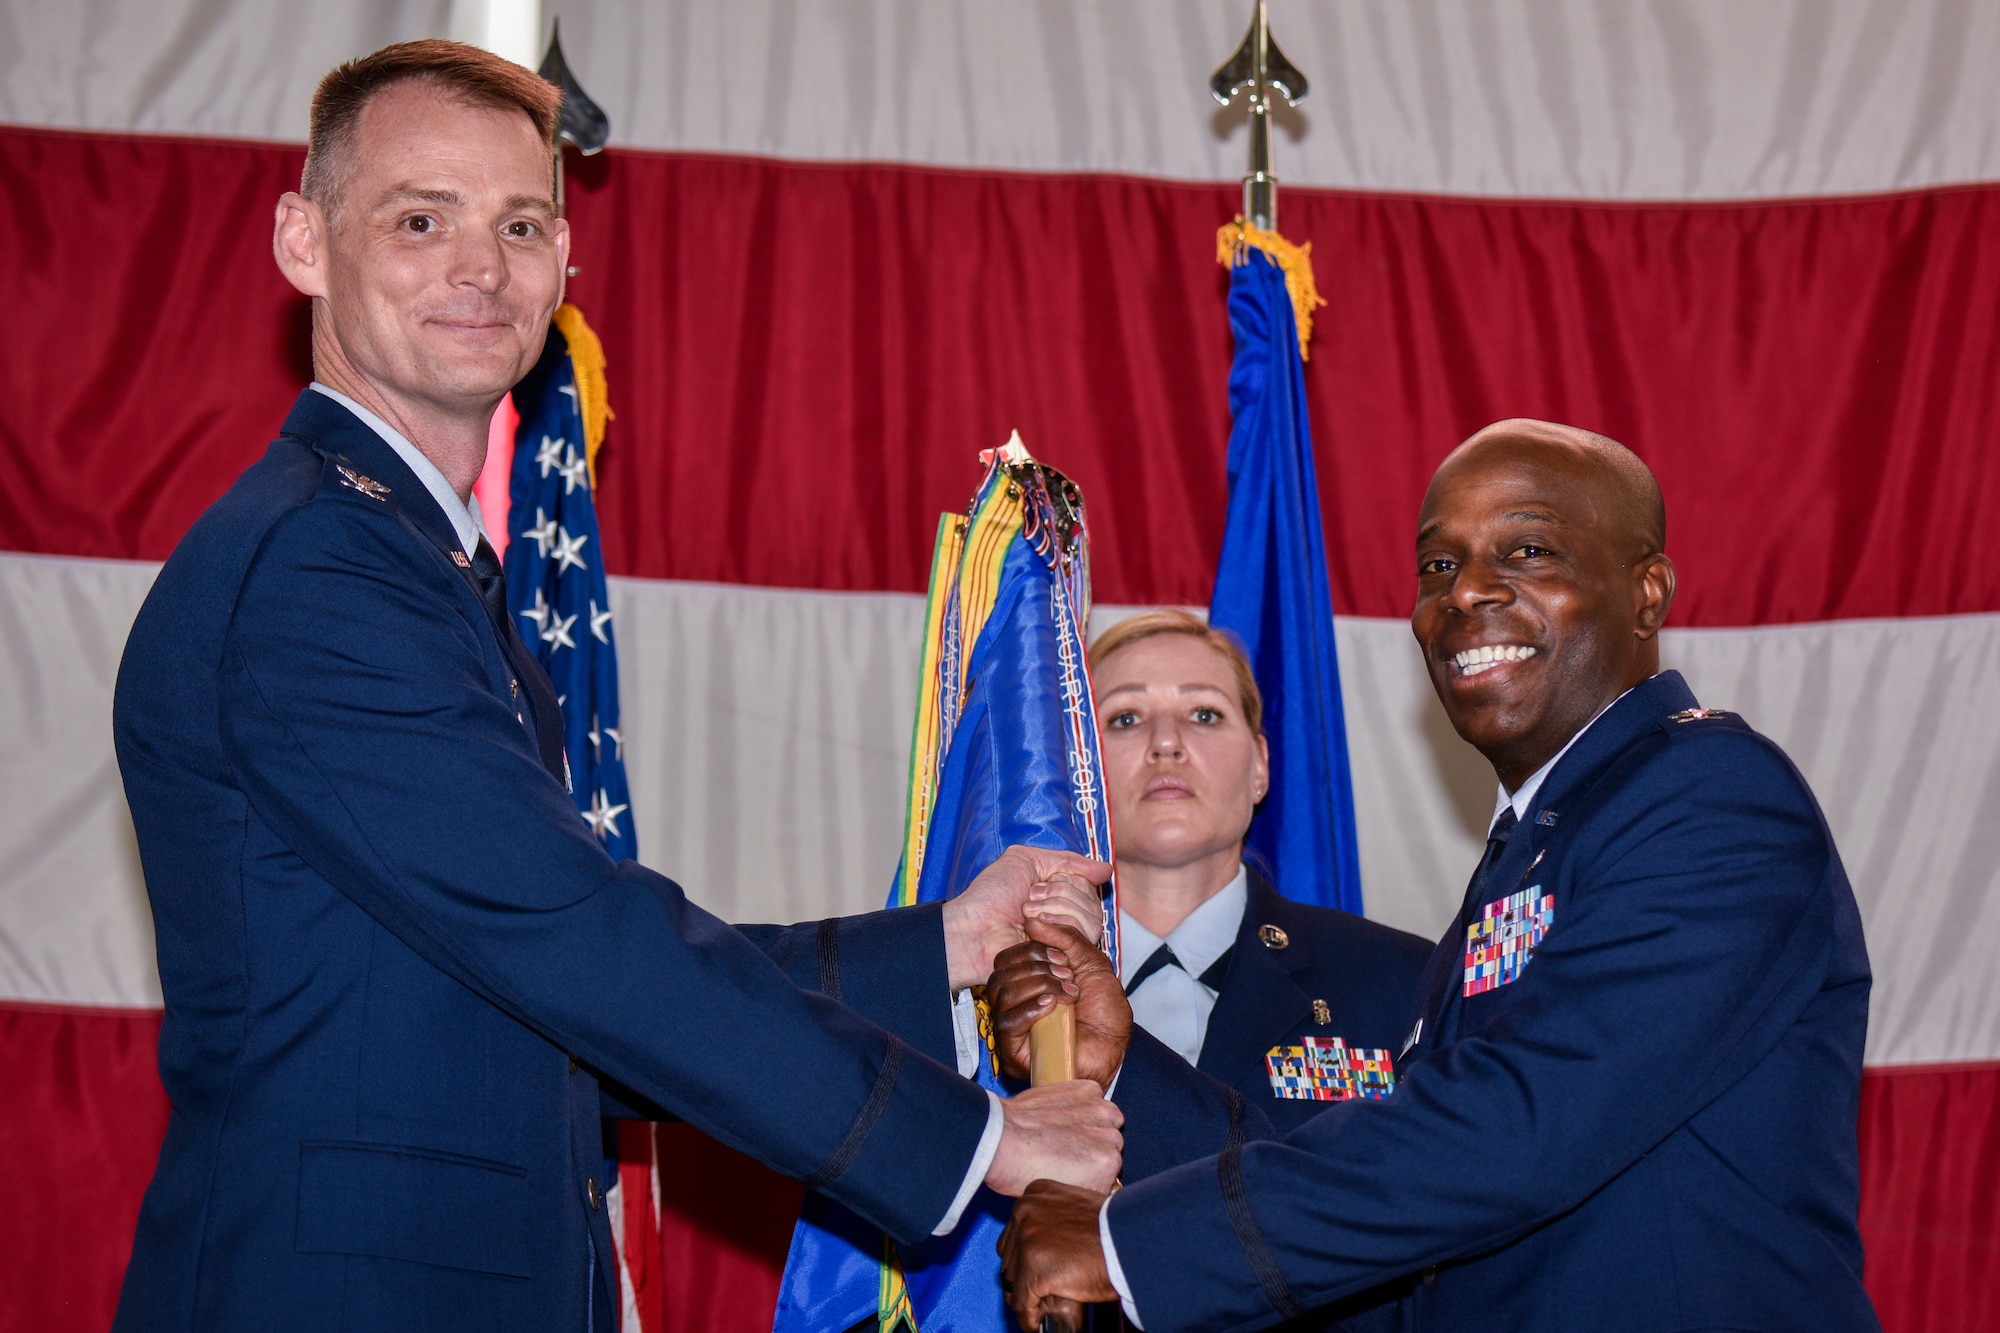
{"points": [[1630, 1099]]}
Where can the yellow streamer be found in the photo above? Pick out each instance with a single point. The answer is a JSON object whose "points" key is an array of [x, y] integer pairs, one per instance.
{"points": [[586, 354], [970, 554], [893, 1312], [1236, 239], [927, 731]]}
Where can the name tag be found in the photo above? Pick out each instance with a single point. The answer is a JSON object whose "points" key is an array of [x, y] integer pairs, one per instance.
{"points": [[1325, 1069], [1500, 943]]}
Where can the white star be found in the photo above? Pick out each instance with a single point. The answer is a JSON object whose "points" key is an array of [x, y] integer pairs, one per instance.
{"points": [[569, 389], [539, 613], [557, 631], [618, 739], [596, 738], [603, 815], [575, 471], [550, 455], [598, 620], [566, 556], [542, 533]]}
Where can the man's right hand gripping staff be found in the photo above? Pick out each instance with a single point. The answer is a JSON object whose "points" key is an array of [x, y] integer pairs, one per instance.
{"points": [[1065, 1131]]}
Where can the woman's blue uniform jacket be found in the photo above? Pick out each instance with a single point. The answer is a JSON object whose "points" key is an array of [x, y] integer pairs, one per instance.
{"points": [[1291, 964]]}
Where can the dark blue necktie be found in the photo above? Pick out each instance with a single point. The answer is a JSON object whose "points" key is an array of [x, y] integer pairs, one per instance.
{"points": [[1164, 956], [542, 702], [1496, 847], [492, 585]]}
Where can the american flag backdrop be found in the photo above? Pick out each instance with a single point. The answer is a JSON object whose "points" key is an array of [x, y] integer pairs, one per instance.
{"points": [[556, 589], [834, 247]]}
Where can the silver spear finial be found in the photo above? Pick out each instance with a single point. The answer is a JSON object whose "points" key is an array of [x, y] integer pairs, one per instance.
{"points": [[584, 124], [1259, 66]]}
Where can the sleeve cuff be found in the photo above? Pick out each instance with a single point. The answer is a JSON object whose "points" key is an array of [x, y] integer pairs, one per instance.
{"points": [[982, 1162], [1118, 1282], [965, 1033]]}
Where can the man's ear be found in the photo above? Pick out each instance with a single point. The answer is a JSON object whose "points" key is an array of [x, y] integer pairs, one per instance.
{"points": [[300, 243], [1653, 588]]}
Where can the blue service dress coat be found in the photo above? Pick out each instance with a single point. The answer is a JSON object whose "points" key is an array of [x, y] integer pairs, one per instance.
{"points": [[396, 962], [1635, 1109], [1295, 971], [1299, 971]]}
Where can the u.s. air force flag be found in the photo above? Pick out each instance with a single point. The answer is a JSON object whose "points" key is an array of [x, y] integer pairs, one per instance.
{"points": [[555, 568], [1004, 751], [1271, 587]]}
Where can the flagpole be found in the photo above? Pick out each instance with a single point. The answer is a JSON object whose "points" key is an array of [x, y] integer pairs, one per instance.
{"points": [[1052, 1047]]}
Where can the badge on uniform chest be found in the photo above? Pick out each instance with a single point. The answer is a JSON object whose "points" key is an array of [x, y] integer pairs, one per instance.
{"points": [[1324, 1069], [1500, 943]]}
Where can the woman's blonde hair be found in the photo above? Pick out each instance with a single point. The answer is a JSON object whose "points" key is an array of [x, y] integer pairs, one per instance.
{"points": [[1171, 620]]}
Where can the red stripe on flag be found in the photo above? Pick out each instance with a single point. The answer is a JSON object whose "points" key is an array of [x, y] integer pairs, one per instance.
{"points": [[804, 359], [82, 1115], [725, 1225], [153, 347], [1930, 1195], [639, 1224]]}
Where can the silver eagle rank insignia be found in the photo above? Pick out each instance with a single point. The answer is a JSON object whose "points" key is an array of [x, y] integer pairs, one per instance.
{"points": [[368, 486]]}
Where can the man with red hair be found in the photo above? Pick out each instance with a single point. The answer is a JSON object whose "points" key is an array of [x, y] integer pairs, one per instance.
{"points": [[403, 981]]}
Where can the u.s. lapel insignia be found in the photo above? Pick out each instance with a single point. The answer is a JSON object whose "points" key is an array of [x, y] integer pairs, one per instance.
{"points": [[1547, 818], [1324, 1069], [368, 486], [1321, 1014], [1500, 943], [1687, 715], [1274, 937], [458, 558]]}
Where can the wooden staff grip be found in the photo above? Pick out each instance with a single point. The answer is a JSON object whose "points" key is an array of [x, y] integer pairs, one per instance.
{"points": [[1052, 1059], [1052, 1047]]}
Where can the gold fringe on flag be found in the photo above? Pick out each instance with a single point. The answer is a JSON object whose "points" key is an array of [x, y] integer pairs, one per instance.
{"points": [[1236, 239], [586, 354]]}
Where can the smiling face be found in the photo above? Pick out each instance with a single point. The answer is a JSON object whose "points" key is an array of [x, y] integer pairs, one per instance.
{"points": [[444, 258], [1541, 586], [1182, 768]]}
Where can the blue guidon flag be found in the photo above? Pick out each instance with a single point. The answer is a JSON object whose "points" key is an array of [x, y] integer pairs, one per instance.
{"points": [[555, 569], [1271, 585], [1004, 751]]}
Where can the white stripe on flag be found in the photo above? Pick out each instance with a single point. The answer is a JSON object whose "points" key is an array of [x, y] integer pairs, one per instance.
{"points": [[766, 732]]}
